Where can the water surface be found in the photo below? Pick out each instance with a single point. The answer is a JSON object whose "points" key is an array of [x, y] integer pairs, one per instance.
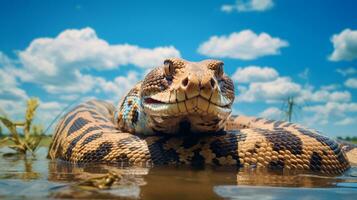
{"points": [[39, 178]]}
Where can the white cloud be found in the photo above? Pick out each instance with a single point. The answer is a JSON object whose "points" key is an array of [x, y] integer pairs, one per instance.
{"points": [[248, 6], [330, 87], [339, 96], [272, 113], [64, 66], [322, 113], [228, 8], [347, 71], [324, 96], [58, 63], [272, 91], [245, 45], [265, 85], [84, 49], [12, 108], [117, 88], [346, 121], [351, 83], [69, 97], [46, 112], [328, 105], [333, 107], [345, 45], [254, 74], [9, 86]]}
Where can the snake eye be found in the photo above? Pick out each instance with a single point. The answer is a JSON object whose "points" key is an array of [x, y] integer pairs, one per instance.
{"points": [[169, 68]]}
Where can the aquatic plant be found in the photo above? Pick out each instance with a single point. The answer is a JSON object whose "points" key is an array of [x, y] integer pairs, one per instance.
{"points": [[32, 134], [102, 182]]}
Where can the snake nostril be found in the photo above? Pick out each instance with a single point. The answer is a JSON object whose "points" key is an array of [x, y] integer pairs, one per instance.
{"points": [[213, 82], [185, 82]]}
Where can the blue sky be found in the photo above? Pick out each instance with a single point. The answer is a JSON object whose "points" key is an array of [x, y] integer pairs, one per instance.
{"points": [[273, 49]]}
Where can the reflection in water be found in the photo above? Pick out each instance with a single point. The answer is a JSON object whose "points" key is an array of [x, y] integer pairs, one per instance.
{"points": [[44, 179], [267, 193], [185, 182], [19, 167]]}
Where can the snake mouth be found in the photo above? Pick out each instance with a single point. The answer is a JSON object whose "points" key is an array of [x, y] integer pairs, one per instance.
{"points": [[195, 105], [149, 100]]}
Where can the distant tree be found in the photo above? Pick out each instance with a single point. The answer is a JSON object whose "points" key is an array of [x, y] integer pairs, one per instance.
{"points": [[289, 108]]}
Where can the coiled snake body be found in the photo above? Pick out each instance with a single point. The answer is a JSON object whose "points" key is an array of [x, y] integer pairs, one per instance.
{"points": [[180, 114]]}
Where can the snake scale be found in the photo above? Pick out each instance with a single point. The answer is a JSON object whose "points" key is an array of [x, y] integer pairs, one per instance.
{"points": [[180, 114]]}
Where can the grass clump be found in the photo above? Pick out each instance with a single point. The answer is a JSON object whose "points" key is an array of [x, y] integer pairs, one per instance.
{"points": [[31, 136]]}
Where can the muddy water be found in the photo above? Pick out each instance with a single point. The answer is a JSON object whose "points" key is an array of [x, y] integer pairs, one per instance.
{"points": [[39, 178]]}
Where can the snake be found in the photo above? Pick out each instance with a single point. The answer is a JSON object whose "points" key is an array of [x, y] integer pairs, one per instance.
{"points": [[181, 114]]}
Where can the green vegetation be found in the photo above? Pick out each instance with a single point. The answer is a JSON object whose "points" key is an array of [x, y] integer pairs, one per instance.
{"points": [[45, 141], [349, 139], [31, 135]]}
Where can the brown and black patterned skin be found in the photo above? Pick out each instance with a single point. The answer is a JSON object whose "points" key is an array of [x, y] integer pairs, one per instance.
{"points": [[91, 133]]}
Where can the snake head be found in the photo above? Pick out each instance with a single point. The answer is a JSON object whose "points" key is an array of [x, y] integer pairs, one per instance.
{"points": [[187, 95]]}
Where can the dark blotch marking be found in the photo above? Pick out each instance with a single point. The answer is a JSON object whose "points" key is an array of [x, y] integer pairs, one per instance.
{"points": [[135, 117], [184, 126], [91, 138], [269, 121], [75, 140], [97, 107], [69, 119], [287, 125], [334, 146], [101, 119], [276, 164], [258, 119], [315, 162], [197, 159], [161, 156], [97, 155], [107, 126], [77, 124], [278, 123], [126, 142], [189, 142], [98, 116], [122, 158], [282, 139], [228, 145], [94, 113]]}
